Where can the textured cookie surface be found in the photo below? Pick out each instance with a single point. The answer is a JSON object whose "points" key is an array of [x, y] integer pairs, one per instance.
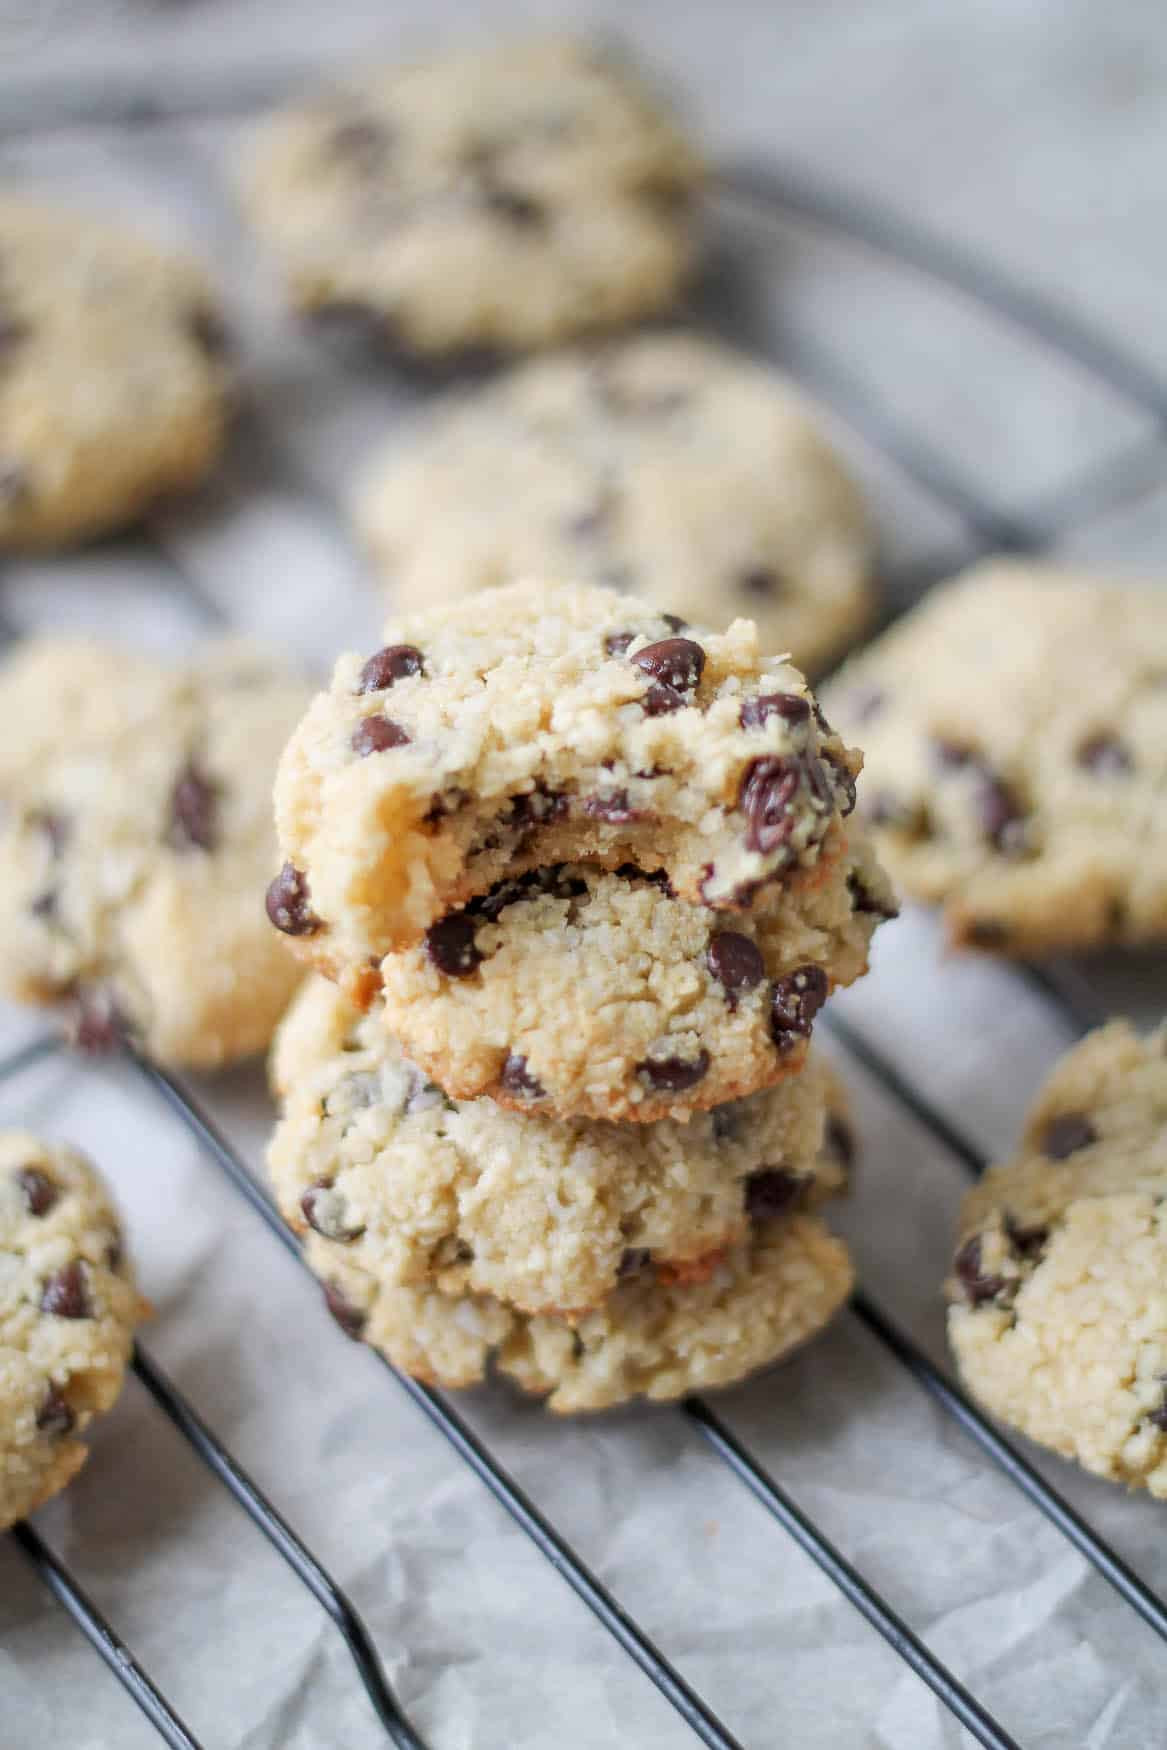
{"points": [[1015, 736], [1059, 1289], [113, 377], [418, 1190], [539, 724], [68, 1307], [651, 1338], [136, 842], [501, 198], [665, 465], [586, 993]]}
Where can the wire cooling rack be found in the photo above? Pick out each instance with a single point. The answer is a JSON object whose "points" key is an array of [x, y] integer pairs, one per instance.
{"points": [[760, 202]]}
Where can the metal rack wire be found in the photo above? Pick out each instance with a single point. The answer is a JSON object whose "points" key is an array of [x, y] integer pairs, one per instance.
{"points": [[769, 194]]}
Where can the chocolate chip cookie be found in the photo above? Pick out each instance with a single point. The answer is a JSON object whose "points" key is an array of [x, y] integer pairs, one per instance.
{"points": [[542, 724], [665, 465], [502, 198], [113, 375], [68, 1307], [587, 993], [1015, 734], [136, 840], [655, 1336], [417, 1190], [1059, 1285]]}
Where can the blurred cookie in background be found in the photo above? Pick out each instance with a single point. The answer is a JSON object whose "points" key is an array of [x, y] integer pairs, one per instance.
{"points": [[1014, 729], [136, 842], [665, 465], [113, 374], [68, 1307], [502, 198]]}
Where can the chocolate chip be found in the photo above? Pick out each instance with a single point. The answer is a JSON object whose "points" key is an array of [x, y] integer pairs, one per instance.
{"points": [[735, 961], [614, 807], [55, 1416], [451, 946], [209, 332], [677, 662], [675, 623], [66, 1293], [56, 827], [15, 482], [791, 707], [288, 904], [772, 1191], [586, 524], [1066, 1134], [538, 806], [865, 902], [864, 704], [362, 141], [1105, 756], [967, 1265], [673, 1075], [633, 1261], [194, 807], [1158, 1418], [40, 1193], [516, 1078], [45, 904], [654, 877], [1001, 815], [517, 208], [550, 879], [324, 1210], [796, 1001], [616, 643], [13, 332], [96, 1026], [769, 786], [376, 735], [953, 756], [727, 1122], [885, 808], [1028, 1241], [839, 1141], [394, 663], [350, 1318], [761, 582], [660, 700]]}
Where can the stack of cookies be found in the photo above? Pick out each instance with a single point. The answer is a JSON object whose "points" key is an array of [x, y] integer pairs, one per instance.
{"points": [[581, 879]]}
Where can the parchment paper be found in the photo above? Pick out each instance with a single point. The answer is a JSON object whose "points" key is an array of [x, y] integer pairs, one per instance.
{"points": [[483, 1641]]}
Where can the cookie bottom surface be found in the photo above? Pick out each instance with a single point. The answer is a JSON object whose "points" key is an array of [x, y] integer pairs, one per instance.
{"points": [[652, 1338]]}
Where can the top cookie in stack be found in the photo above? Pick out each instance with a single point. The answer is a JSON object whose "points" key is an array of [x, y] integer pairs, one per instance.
{"points": [[531, 726]]}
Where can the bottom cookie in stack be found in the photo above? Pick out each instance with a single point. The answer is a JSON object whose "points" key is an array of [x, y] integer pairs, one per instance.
{"points": [[592, 1262]]}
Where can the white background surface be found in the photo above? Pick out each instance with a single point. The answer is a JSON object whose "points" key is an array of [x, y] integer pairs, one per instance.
{"points": [[1032, 134]]}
